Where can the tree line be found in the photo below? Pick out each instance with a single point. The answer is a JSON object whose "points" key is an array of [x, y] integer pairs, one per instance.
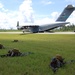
{"points": [[70, 27]]}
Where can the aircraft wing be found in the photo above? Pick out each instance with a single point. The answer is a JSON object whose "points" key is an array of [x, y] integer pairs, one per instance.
{"points": [[32, 27], [28, 26]]}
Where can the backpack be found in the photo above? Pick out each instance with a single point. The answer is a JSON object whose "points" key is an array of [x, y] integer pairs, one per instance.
{"points": [[54, 63]]}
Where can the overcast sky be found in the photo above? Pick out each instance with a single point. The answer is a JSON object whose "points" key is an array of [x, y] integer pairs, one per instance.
{"points": [[31, 11]]}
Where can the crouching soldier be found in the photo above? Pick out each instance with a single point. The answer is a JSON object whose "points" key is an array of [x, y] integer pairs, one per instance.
{"points": [[13, 52], [56, 62]]}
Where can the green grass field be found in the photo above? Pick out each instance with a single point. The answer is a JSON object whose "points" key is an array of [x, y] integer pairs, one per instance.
{"points": [[44, 47]]}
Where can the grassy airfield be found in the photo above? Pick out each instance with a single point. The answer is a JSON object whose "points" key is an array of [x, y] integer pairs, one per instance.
{"points": [[44, 47]]}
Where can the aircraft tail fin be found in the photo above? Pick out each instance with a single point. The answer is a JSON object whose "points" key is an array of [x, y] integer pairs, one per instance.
{"points": [[66, 13]]}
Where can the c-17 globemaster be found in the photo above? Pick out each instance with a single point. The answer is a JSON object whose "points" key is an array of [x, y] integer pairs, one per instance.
{"points": [[61, 21]]}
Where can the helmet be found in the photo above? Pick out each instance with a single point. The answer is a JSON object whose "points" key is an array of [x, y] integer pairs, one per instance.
{"points": [[59, 57]]}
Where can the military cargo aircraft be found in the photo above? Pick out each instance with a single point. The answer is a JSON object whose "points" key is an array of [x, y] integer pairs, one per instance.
{"points": [[61, 21]]}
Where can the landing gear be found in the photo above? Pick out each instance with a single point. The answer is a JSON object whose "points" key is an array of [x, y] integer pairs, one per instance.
{"points": [[23, 30]]}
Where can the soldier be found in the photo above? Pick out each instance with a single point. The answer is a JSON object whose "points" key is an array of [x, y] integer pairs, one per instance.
{"points": [[57, 62], [1, 46], [14, 52]]}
